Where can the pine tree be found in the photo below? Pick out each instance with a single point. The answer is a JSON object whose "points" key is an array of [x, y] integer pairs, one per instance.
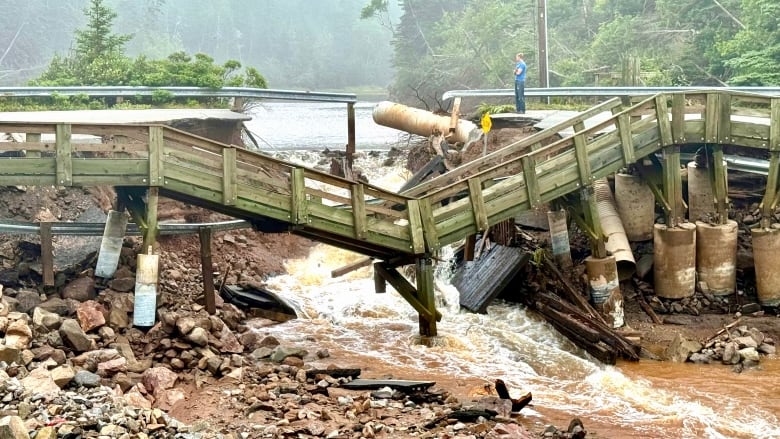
{"points": [[96, 40]]}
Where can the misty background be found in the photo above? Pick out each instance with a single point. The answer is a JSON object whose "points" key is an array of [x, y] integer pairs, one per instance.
{"points": [[295, 44]]}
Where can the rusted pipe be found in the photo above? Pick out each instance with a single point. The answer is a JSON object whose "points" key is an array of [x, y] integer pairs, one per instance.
{"points": [[423, 123], [617, 241]]}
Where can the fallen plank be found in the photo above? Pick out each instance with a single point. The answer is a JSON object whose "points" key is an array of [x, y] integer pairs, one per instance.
{"points": [[369, 384], [360, 263], [335, 373]]}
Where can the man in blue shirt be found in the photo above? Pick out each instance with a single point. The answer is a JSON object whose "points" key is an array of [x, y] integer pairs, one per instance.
{"points": [[520, 83]]}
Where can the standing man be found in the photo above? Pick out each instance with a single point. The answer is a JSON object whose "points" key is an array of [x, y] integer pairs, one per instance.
{"points": [[519, 83]]}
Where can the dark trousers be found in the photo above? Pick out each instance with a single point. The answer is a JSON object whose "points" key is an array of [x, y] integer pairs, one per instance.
{"points": [[520, 96]]}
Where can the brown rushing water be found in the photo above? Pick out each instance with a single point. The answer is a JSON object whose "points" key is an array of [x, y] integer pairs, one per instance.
{"points": [[632, 400]]}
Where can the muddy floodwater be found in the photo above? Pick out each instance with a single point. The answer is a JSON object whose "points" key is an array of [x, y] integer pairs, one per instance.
{"points": [[631, 400]]}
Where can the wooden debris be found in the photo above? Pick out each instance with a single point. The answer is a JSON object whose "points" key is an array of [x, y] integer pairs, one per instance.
{"points": [[462, 415], [648, 309], [517, 403], [335, 373], [403, 385], [360, 263], [724, 329]]}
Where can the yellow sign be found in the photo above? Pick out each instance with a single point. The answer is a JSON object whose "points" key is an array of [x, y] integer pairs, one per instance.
{"points": [[487, 123]]}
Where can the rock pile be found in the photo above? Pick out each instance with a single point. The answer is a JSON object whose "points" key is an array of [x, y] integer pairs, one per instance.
{"points": [[739, 347], [72, 365]]}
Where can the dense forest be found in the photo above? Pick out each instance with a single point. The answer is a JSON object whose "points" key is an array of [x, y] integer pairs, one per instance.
{"points": [[417, 49]]}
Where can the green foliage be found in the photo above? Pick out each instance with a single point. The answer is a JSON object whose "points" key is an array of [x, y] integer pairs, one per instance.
{"points": [[99, 59]]}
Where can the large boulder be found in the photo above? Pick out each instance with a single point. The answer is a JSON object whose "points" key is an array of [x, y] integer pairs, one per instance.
{"points": [[75, 337]]}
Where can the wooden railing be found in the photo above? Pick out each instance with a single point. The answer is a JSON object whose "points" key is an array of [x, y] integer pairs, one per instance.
{"points": [[521, 176]]}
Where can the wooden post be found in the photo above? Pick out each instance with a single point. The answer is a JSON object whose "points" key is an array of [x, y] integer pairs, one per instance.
{"points": [[350, 136], [380, 285], [33, 138], [721, 184], [468, 248], [208, 275], [150, 234], [47, 254], [770, 196], [591, 214], [425, 293], [673, 185]]}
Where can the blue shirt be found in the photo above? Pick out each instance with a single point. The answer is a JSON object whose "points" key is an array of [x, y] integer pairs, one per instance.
{"points": [[520, 66]]}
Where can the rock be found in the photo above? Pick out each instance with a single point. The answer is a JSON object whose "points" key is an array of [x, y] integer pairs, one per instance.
{"points": [[74, 336], [27, 300], [56, 305], [250, 340], [746, 342], [12, 427], [91, 315], [122, 284], [730, 353], [185, 325], [112, 367], [767, 349], [18, 335], [46, 433], [44, 320], [63, 375], [87, 379], [136, 399], [81, 289], [750, 308], [40, 382], [269, 341], [198, 336], [118, 318], [749, 356], [700, 358], [680, 349], [281, 352], [229, 342], [159, 378], [9, 354], [261, 353]]}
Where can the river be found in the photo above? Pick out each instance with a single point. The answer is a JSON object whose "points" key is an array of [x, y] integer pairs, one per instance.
{"points": [[631, 400]]}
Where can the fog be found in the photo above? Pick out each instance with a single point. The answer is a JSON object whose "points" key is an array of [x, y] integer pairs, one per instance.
{"points": [[295, 44]]}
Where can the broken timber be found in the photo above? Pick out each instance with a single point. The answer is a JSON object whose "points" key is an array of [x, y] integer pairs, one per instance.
{"points": [[368, 384]]}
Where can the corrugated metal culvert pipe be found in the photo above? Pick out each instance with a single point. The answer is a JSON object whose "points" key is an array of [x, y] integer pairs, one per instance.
{"points": [[423, 123], [617, 242]]}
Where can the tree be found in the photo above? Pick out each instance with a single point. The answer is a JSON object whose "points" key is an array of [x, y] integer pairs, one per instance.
{"points": [[97, 41], [754, 51]]}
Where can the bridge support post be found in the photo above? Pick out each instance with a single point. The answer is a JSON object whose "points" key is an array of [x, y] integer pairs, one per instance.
{"points": [[209, 299], [672, 183], [150, 233], [425, 294]]}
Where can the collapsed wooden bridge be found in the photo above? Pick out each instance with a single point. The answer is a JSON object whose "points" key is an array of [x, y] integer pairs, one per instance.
{"points": [[144, 162]]}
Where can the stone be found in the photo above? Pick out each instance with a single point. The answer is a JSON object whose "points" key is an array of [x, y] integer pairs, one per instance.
{"points": [[261, 353], [46, 432], [122, 284], [56, 305], [730, 353], [229, 342], [198, 336], [74, 336], [185, 325], [118, 318], [9, 354], [63, 375], [746, 342], [44, 320], [749, 356], [40, 382], [12, 427], [750, 308], [134, 398], [27, 300], [680, 349], [81, 289], [91, 315], [86, 379], [112, 367], [250, 340], [269, 341], [281, 352], [18, 334], [767, 349], [159, 378]]}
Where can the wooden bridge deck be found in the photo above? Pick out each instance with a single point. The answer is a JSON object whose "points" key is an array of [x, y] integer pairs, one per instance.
{"points": [[370, 220]]}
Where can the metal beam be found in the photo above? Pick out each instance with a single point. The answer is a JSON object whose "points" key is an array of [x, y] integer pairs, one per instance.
{"points": [[190, 92], [600, 91]]}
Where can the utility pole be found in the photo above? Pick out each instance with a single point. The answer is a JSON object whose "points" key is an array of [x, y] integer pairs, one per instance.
{"points": [[541, 24]]}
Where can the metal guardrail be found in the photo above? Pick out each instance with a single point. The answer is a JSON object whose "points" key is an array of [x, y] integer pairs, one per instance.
{"points": [[184, 92], [599, 91], [96, 229]]}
